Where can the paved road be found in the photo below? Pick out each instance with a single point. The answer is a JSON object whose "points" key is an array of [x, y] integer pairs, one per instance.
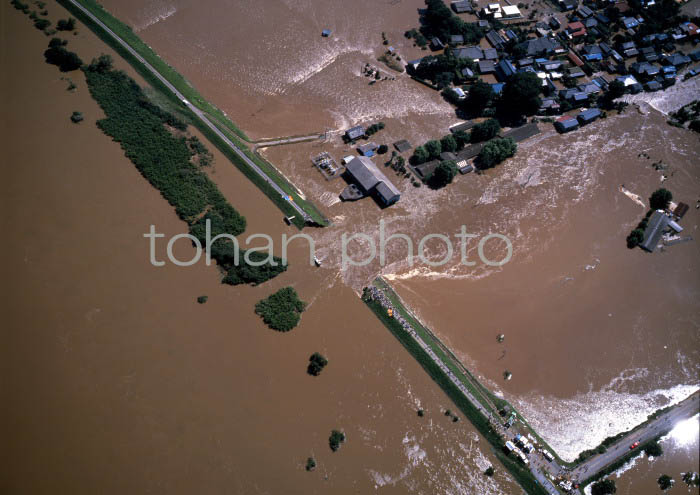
{"points": [[201, 115], [685, 409]]}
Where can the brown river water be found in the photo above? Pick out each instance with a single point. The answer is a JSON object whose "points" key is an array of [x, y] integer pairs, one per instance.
{"points": [[119, 381]]}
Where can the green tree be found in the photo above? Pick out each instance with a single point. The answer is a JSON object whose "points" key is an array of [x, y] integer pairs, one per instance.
{"points": [[665, 482], [448, 143], [101, 64], [604, 487], [660, 199], [316, 364], [462, 138], [383, 148], [202, 299], [76, 117], [489, 471], [420, 155], [485, 131], [653, 449], [57, 55], [480, 96], [615, 90], [495, 151], [434, 148], [282, 310], [336, 439], [66, 24], [310, 464], [520, 96], [443, 174], [691, 478], [42, 24], [635, 238]]}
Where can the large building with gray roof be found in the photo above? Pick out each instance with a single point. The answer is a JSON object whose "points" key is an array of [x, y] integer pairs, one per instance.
{"points": [[372, 181]]}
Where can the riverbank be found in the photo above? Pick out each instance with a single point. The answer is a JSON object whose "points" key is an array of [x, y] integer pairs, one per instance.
{"points": [[193, 99]]}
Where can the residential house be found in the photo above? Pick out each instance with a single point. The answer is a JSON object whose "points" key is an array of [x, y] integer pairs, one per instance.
{"points": [[354, 133], [372, 181], [574, 59], [676, 59], [644, 70], [497, 88], [468, 73], [584, 12], [566, 5], [511, 12], [575, 30], [592, 52], [653, 85], [486, 67], [490, 54], [630, 22], [469, 52], [657, 225], [504, 70], [588, 116], [566, 123], [495, 39], [459, 92], [436, 44], [463, 7], [368, 149], [539, 47], [456, 39]]}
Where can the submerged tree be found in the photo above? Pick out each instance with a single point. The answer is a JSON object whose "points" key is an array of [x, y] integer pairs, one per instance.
{"points": [[660, 199], [336, 439], [665, 482], [604, 487], [443, 174]]}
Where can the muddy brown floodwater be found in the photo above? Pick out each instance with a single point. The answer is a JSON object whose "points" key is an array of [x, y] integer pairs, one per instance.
{"points": [[120, 381], [116, 381]]}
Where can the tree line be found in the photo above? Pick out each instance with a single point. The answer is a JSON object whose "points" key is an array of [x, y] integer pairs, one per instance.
{"points": [[165, 161]]}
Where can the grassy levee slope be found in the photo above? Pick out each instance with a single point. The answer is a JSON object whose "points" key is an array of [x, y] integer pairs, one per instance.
{"points": [[520, 473], [217, 116]]}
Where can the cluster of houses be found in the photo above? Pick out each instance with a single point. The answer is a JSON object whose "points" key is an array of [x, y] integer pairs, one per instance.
{"points": [[565, 50]]}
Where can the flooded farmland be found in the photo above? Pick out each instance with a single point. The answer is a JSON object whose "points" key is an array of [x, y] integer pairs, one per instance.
{"points": [[115, 367]]}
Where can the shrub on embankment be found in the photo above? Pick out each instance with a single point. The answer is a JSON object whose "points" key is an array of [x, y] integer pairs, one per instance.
{"points": [[164, 159]]}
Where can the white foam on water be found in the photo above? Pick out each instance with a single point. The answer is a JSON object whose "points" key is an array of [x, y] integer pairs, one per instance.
{"points": [[583, 421], [159, 16]]}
